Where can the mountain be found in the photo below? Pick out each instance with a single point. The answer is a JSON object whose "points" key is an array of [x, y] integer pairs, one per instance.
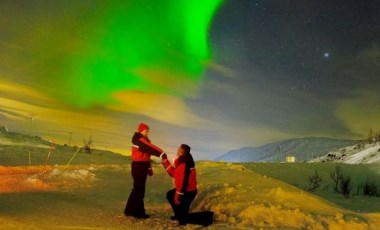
{"points": [[303, 149], [18, 149]]}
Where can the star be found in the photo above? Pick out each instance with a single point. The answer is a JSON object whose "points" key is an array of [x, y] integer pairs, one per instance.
{"points": [[326, 55]]}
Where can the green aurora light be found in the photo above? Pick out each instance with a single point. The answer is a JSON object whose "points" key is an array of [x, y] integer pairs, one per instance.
{"points": [[155, 46]]}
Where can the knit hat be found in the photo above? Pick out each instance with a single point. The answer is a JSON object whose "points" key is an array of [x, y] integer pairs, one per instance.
{"points": [[142, 127]]}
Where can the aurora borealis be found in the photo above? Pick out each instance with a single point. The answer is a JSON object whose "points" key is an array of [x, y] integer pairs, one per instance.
{"points": [[95, 51], [215, 74]]}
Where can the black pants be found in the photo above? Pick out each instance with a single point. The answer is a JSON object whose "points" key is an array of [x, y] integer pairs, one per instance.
{"points": [[181, 211], [135, 204]]}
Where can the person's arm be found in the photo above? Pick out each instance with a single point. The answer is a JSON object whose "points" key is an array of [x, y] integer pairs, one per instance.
{"points": [[149, 148], [168, 167]]}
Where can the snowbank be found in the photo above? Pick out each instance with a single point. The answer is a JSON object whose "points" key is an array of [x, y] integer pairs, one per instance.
{"points": [[250, 200]]}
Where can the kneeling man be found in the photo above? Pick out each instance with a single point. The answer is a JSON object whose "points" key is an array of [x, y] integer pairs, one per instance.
{"points": [[185, 180]]}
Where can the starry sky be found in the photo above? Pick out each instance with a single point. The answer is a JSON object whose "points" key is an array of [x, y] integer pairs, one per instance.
{"points": [[217, 75]]}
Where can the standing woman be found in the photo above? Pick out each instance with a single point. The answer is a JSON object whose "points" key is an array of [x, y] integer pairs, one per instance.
{"points": [[185, 180], [142, 149]]}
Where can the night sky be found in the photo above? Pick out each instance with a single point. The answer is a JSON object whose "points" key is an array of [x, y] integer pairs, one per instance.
{"points": [[217, 75]]}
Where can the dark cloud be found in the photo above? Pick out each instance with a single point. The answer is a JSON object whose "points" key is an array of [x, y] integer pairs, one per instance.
{"points": [[295, 61]]}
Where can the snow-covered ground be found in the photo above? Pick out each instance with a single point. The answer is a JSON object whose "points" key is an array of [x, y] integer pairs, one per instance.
{"points": [[355, 154], [78, 197], [369, 155], [240, 199], [13, 142]]}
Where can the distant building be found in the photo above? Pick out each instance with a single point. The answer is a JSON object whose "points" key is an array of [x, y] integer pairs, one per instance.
{"points": [[290, 159]]}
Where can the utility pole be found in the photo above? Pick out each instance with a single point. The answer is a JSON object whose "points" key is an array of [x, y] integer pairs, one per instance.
{"points": [[30, 134], [31, 123], [70, 138]]}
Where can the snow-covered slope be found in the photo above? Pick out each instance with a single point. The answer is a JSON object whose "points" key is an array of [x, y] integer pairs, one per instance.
{"points": [[303, 149], [9, 138], [355, 154], [368, 155]]}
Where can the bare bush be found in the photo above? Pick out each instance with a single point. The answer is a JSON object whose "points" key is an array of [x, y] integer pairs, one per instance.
{"points": [[314, 181], [371, 188], [87, 144], [336, 176], [345, 185]]}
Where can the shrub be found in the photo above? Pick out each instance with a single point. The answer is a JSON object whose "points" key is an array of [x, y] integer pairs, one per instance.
{"points": [[370, 188], [336, 176], [87, 144], [314, 181], [370, 136], [345, 185]]}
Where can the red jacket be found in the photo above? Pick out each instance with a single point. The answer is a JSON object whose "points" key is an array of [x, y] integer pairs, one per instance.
{"points": [[142, 149], [184, 173]]}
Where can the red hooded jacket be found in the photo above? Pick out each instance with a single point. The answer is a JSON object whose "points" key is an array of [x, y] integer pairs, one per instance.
{"points": [[184, 173]]}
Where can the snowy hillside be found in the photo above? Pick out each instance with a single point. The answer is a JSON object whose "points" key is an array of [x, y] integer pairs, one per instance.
{"points": [[303, 149], [354, 154], [9, 138], [18, 149]]}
